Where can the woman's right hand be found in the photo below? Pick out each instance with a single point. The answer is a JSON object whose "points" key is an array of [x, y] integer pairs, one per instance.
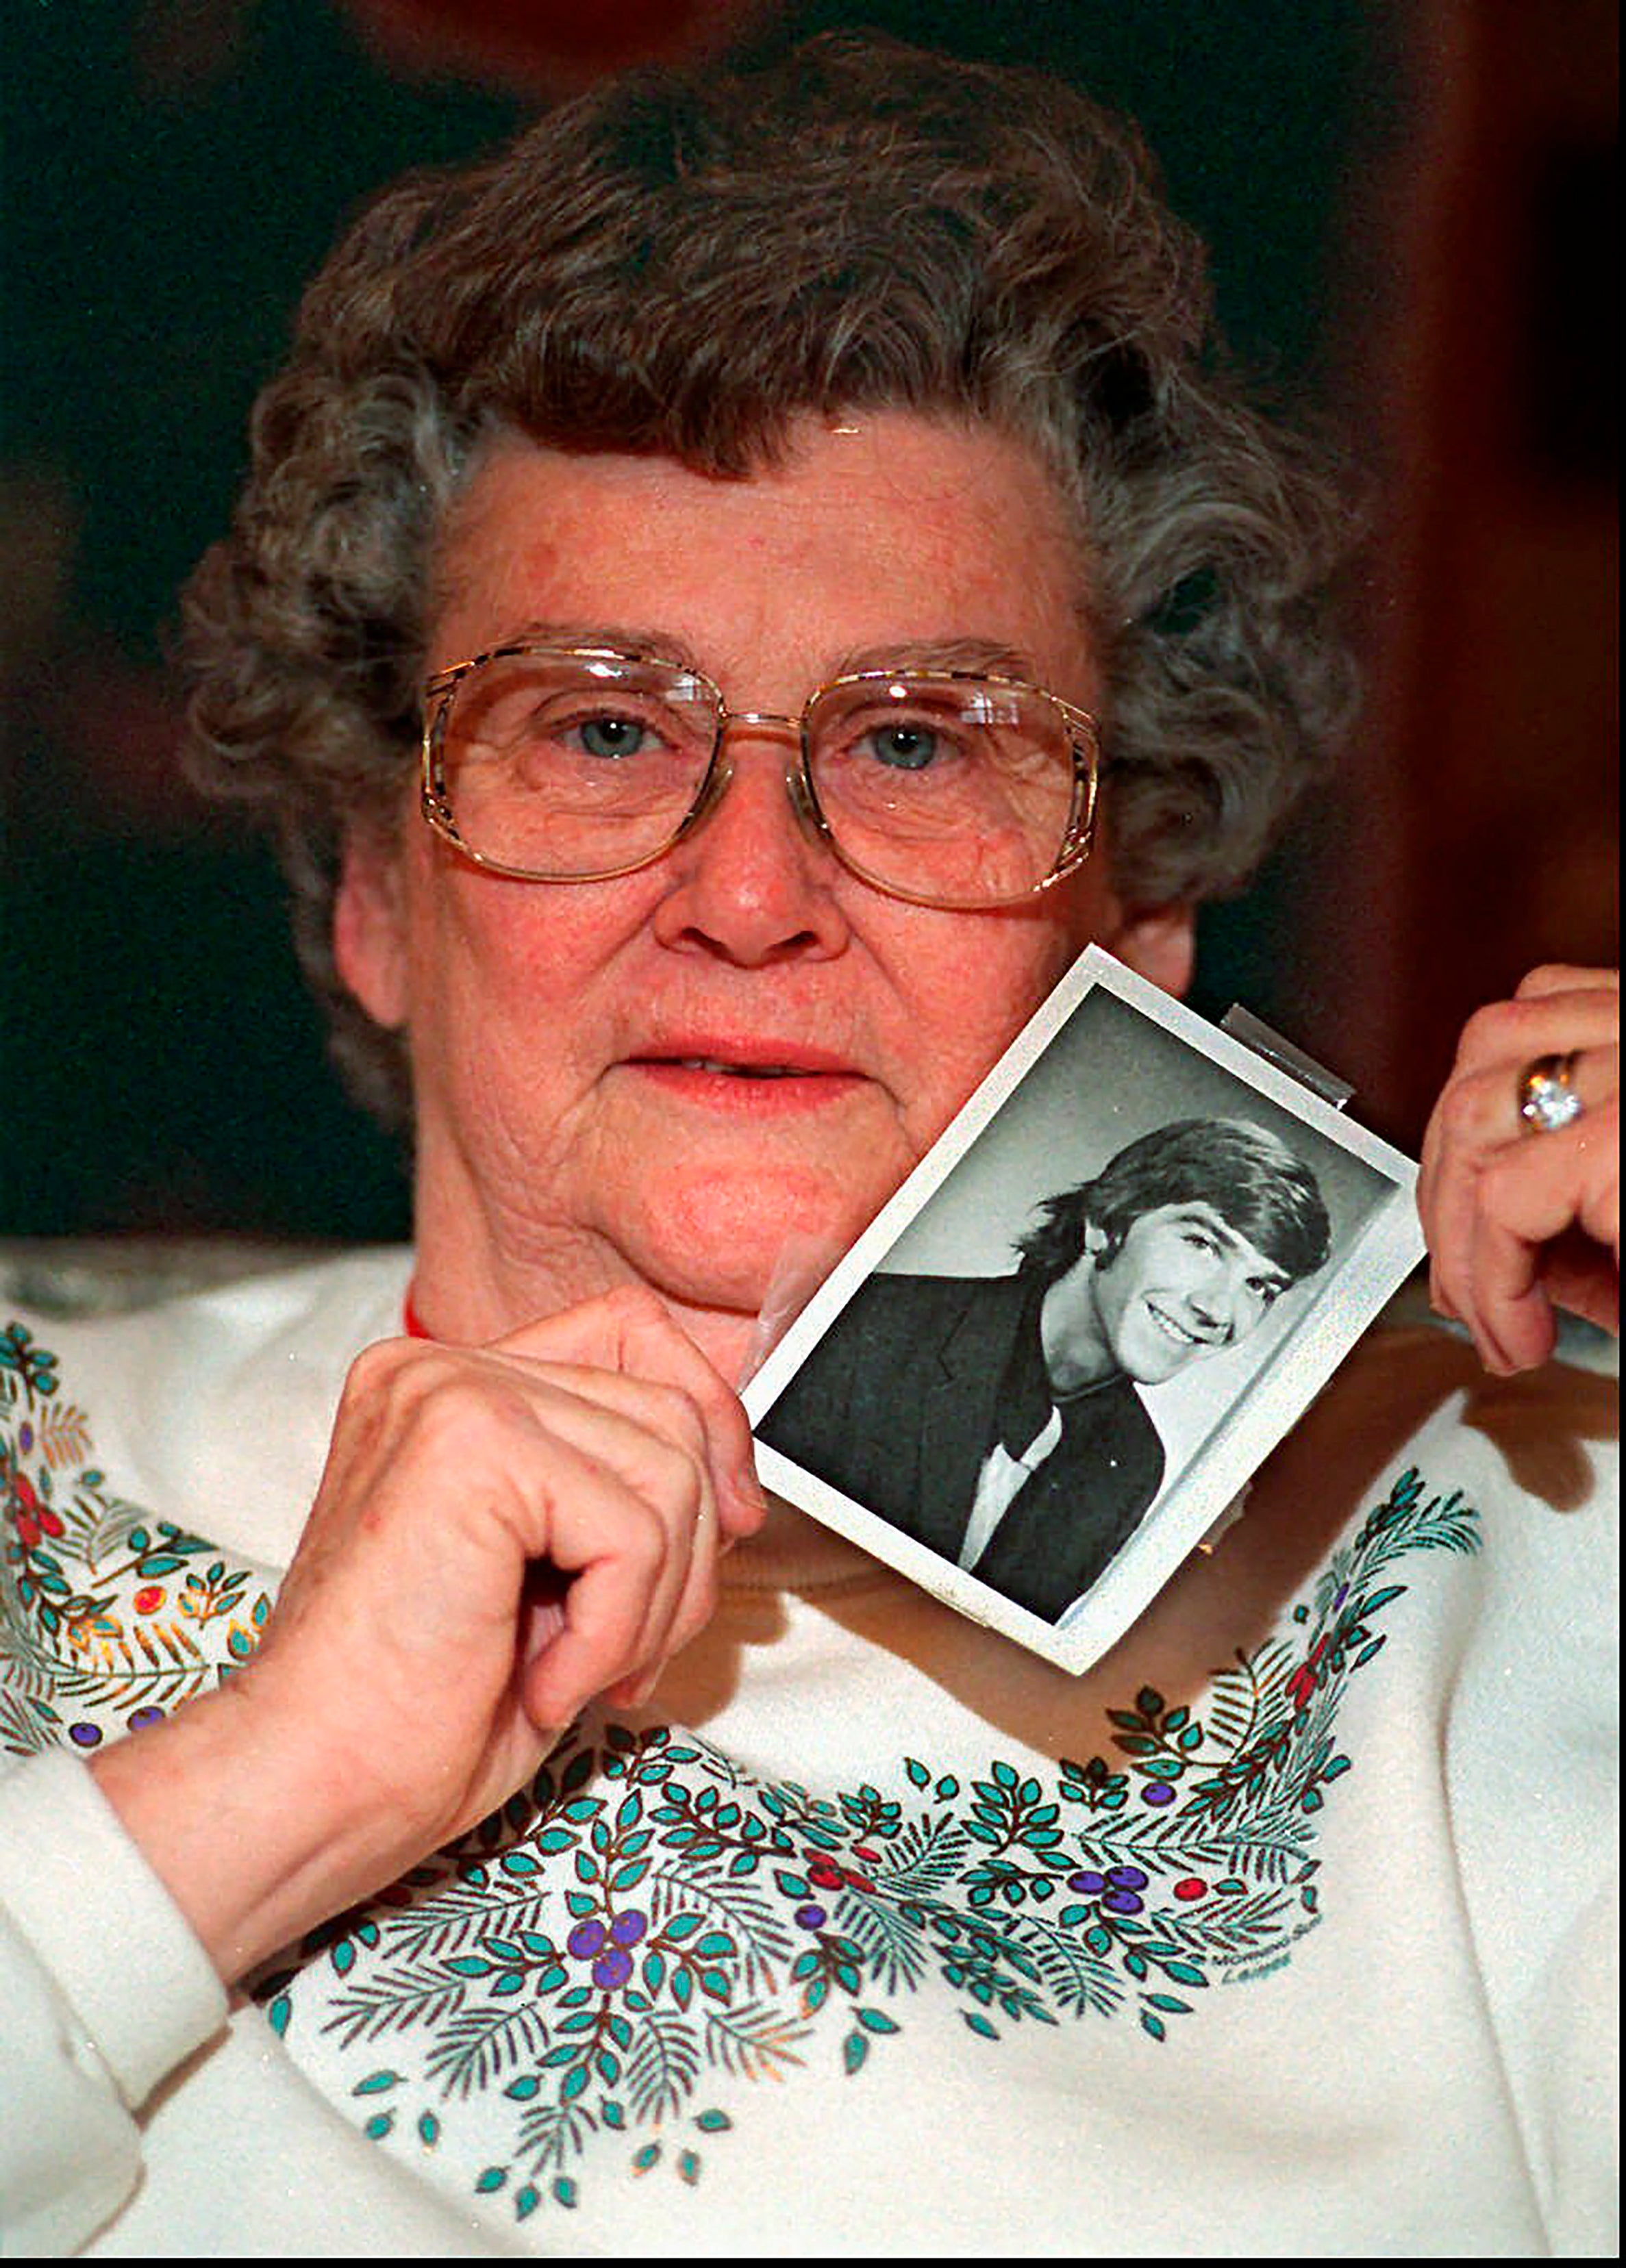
{"points": [[501, 1533]]}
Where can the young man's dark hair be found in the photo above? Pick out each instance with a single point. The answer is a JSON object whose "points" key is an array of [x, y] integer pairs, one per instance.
{"points": [[1250, 1177]]}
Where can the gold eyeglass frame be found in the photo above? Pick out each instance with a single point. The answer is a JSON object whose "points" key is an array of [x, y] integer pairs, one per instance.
{"points": [[1083, 738]]}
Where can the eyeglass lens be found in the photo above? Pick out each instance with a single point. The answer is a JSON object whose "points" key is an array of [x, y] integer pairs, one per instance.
{"points": [[570, 766]]}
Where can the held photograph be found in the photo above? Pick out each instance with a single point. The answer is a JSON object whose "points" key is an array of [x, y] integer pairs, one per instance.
{"points": [[1047, 1371]]}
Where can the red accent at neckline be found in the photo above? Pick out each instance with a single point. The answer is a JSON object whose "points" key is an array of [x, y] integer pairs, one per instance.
{"points": [[413, 1320]]}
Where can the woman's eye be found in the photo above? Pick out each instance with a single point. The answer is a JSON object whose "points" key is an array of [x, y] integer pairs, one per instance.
{"points": [[902, 748], [608, 736]]}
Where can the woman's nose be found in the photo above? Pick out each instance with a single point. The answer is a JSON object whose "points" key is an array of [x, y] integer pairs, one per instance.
{"points": [[751, 880]]}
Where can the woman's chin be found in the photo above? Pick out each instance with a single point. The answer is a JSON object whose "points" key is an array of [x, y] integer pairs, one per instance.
{"points": [[755, 1244]]}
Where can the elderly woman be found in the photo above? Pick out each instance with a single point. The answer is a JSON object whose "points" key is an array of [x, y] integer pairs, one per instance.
{"points": [[699, 577]]}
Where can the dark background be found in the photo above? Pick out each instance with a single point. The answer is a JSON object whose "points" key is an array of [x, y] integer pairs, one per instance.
{"points": [[1406, 205]]}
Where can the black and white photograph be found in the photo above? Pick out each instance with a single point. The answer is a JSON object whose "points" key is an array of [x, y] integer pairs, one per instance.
{"points": [[1045, 1372]]}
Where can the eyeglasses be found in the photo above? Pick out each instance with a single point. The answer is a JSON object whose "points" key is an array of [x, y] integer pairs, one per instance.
{"points": [[578, 764]]}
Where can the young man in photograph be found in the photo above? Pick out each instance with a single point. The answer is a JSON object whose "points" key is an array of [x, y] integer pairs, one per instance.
{"points": [[1000, 1419]]}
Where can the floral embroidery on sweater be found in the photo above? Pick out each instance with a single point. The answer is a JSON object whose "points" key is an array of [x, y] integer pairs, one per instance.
{"points": [[646, 1931], [605, 1968], [108, 1617]]}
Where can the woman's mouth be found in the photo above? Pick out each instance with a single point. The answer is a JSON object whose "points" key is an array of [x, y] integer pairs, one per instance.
{"points": [[760, 1082], [736, 1069]]}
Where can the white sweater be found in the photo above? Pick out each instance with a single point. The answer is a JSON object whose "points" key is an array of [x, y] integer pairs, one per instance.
{"points": [[1287, 1929]]}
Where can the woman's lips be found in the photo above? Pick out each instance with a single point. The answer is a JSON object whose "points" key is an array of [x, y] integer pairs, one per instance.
{"points": [[756, 1079], [739, 1071]]}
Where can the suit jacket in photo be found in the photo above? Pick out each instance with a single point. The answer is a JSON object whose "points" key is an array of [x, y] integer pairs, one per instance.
{"points": [[901, 1401]]}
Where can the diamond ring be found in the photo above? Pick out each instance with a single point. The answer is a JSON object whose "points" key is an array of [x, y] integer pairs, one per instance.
{"points": [[1546, 1100]]}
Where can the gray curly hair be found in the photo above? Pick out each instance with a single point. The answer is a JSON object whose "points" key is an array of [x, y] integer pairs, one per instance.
{"points": [[684, 262]]}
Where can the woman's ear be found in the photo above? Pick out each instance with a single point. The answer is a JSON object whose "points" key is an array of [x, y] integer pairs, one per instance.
{"points": [[370, 930], [1159, 943]]}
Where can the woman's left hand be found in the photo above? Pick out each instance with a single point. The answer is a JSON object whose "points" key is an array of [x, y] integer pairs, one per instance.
{"points": [[1520, 1220]]}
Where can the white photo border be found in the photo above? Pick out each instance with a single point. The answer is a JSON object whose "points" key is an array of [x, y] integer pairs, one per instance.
{"points": [[1352, 1290]]}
